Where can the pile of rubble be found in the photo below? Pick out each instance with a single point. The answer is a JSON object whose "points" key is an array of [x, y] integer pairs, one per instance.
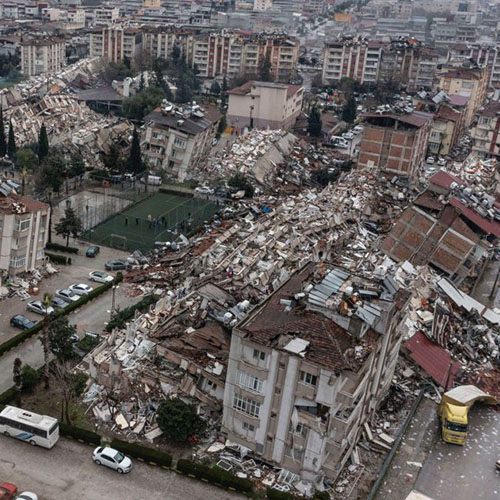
{"points": [[26, 284], [476, 173]]}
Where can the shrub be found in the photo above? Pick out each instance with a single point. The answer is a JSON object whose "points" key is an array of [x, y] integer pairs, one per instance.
{"points": [[123, 316], [273, 494], [61, 248], [215, 475], [31, 378], [87, 343], [20, 338], [7, 397], [58, 259], [145, 453], [321, 495], [80, 434], [179, 420]]}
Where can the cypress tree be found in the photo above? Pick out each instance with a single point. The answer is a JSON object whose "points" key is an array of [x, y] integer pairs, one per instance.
{"points": [[11, 145], [3, 144], [43, 144], [134, 163]]}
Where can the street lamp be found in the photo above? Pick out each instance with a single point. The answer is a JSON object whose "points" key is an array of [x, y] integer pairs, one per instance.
{"points": [[112, 311]]}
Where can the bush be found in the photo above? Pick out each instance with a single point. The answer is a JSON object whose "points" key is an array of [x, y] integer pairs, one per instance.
{"points": [[123, 316], [61, 248], [80, 434], [20, 338], [31, 377], [179, 421], [87, 343], [143, 452], [7, 397], [273, 494], [321, 495], [215, 475], [58, 259]]}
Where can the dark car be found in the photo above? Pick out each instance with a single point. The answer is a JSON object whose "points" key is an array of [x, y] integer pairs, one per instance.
{"points": [[22, 322], [116, 265], [92, 251], [59, 303]]}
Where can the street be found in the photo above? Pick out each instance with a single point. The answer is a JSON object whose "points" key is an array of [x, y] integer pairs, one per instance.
{"points": [[467, 472], [68, 472]]}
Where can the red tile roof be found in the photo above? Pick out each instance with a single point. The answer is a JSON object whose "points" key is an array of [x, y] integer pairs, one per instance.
{"points": [[444, 179], [433, 359], [488, 226]]}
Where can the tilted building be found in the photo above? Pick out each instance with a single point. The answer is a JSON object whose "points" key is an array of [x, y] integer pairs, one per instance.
{"points": [[310, 365]]}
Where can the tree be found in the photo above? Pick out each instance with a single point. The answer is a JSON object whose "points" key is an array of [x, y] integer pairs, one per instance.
{"points": [[30, 378], [215, 88], [314, 123], [52, 172], [176, 54], [17, 377], [11, 145], [43, 143], [323, 176], [265, 69], [3, 144], [70, 386], [141, 83], [184, 92], [26, 161], [224, 84], [113, 160], [77, 164], [116, 71], [69, 225], [349, 110], [134, 162], [179, 421], [47, 300], [142, 103], [222, 125], [60, 344]]}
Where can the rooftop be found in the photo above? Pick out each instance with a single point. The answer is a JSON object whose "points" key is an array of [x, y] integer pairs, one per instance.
{"points": [[246, 88]]}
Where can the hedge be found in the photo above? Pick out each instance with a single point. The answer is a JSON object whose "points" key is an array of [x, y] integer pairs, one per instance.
{"points": [[123, 316], [61, 248], [273, 494], [58, 259], [80, 434], [27, 334], [142, 452], [215, 475], [7, 397]]}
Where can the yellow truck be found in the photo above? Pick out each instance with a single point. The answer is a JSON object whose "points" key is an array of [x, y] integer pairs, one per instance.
{"points": [[454, 409]]}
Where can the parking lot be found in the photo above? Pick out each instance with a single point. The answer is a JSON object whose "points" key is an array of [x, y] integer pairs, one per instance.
{"points": [[68, 472]]}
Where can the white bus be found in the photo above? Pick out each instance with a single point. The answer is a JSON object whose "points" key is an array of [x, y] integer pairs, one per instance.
{"points": [[35, 429]]}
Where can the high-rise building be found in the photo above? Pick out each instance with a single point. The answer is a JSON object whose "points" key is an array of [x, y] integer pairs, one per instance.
{"points": [[115, 43], [42, 55]]}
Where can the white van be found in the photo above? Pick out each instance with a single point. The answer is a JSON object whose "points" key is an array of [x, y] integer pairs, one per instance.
{"points": [[153, 180]]}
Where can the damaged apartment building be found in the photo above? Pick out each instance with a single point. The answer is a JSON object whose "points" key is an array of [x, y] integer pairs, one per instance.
{"points": [[310, 366]]}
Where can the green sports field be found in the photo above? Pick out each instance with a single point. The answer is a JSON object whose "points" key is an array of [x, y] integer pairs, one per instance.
{"points": [[162, 217]]}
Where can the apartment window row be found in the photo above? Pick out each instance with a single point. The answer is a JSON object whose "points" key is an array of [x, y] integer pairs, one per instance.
{"points": [[180, 142], [249, 382], [308, 378], [18, 261], [22, 225], [246, 405], [248, 427]]}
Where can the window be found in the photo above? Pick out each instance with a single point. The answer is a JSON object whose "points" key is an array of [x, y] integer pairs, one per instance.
{"points": [[308, 378], [179, 142], [211, 384], [259, 354], [39, 254], [22, 225], [249, 382], [484, 120], [248, 427], [467, 85], [301, 430], [295, 453], [246, 405], [18, 261], [1, 224]]}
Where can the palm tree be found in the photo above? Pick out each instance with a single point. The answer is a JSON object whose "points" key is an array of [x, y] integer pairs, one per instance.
{"points": [[47, 300]]}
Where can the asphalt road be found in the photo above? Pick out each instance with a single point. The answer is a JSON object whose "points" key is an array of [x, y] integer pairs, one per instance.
{"points": [[67, 472], [467, 472]]}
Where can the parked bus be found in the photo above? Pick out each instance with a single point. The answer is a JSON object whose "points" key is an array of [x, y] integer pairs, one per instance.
{"points": [[36, 429]]}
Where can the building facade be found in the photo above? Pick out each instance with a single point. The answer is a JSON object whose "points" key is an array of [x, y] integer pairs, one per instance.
{"points": [[42, 55], [176, 140], [24, 226], [264, 105], [395, 143], [115, 43], [485, 131], [308, 368]]}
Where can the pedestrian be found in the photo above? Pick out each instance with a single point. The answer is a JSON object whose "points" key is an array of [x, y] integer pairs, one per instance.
{"points": [[137, 221], [126, 221], [149, 220]]}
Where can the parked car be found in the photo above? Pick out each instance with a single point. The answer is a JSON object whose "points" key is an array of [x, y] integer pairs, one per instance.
{"points": [[100, 277], [116, 265], [430, 160], [22, 322], [441, 162], [92, 251], [348, 136], [112, 458], [80, 288], [59, 303], [7, 491], [358, 129], [204, 190], [74, 338], [27, 495], [37, 307], [67, 295]]}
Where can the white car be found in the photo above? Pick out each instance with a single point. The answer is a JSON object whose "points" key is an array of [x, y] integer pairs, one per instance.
{"points": [[37, 306], [430, 160], [112, 458], [67, 295], [205, 190], [80, 289], [348, 135], [27, 495], [100, 277], [358, 129], [441, 162]]}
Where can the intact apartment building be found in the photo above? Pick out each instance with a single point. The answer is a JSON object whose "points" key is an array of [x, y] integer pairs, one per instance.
{"points": [[406, 61], [264, 105], [24, 226], [395, 143], [42, 55], [177, 139], [115, 43], [309, 367], [466, 82], [485, 132], [225, 52]]}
